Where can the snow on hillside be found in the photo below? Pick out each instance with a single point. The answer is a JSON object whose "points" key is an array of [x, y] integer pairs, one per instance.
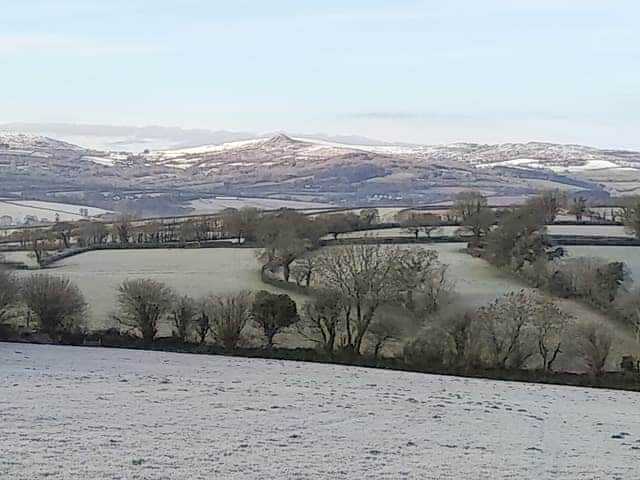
{"points": [[29, 142], [265, 152], [533, 155], [588, 165], [78, 413]]}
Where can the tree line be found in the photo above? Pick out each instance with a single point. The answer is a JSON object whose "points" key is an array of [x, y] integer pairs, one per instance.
{"points": [[516, 240], [368, 301]]}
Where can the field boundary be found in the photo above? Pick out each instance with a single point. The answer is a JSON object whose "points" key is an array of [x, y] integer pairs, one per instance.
{"points": [[608, 380]]}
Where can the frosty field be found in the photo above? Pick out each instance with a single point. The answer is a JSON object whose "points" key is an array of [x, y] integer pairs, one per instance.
{"points": [[45, 210], [79, 413], [200, 272], [196, 272]]}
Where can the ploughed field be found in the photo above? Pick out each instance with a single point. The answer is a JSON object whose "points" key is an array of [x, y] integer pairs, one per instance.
{"points": [[78, 413]]}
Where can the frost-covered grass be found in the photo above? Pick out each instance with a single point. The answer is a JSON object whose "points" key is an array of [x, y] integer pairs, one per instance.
{"points": [[45, 210], [217, 204], [79, 413], [196, 272], [578, 230], [199, 272]]}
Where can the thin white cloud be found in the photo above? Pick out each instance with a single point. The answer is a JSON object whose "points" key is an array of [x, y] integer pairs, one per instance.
{"points": [[58, 44]]}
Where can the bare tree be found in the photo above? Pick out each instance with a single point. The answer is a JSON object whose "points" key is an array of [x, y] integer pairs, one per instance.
{"points": [[473, 210], [422, 282], [369, 216], [579, 208], [286, 236], [594, 279], [183, 316], [417, 222], [38, 245], [8, 292], [229, 316], [385, 329], [242, 224], [594, 344], [123, 229], [142, 304], [322, 318], [369, 276], [366, 276], [90, 232], [631, 216], [337, 223], [628, 307], [458, 322], [57, 303], [303, 269], [203, 323], [63, 230], [506, 330], [549, 203], [549, 330]]}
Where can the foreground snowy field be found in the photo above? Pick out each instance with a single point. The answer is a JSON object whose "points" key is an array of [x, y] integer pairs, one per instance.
{"points": [[81, 413]]}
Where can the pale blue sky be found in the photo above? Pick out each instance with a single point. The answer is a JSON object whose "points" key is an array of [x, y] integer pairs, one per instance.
{"points": [[420, 71]]}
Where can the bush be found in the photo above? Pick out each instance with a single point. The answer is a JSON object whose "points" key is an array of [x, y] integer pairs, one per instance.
{"points": [[229, 315], [594, 344], [433, 348], [273, 313], [56, 302], [142, 304]]}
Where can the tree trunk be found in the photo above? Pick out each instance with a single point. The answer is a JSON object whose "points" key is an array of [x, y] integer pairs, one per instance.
{"points": [[553, 358], [270, 336]]}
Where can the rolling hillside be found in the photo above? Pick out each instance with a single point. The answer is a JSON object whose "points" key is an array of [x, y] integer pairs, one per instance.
{"points": [[299, 168]]}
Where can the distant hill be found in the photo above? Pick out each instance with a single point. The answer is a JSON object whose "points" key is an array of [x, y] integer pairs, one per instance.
{"points": [[303, 168]]}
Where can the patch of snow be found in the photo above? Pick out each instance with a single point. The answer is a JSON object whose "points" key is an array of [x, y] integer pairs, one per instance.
{"points": [[143, 414], [206, 148], [104, 161], [588, 165]]}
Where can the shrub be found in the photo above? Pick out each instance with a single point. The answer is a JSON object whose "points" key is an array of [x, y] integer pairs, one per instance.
{"points": [[142, 304], [56, 302]]}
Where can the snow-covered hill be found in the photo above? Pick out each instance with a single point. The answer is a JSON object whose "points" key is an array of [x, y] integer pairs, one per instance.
{"points": [[311, 169], [24, 142], [533, 155], [78, 413], [279, 150]]}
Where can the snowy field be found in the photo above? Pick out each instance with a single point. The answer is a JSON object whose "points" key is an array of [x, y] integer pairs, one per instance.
{"points": [[81, 413], [217, 204], [45, 210], [197, 272], [578, 230]]}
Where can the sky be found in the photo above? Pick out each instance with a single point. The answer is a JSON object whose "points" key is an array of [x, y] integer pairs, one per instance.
{"points": [[398, 70]]}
